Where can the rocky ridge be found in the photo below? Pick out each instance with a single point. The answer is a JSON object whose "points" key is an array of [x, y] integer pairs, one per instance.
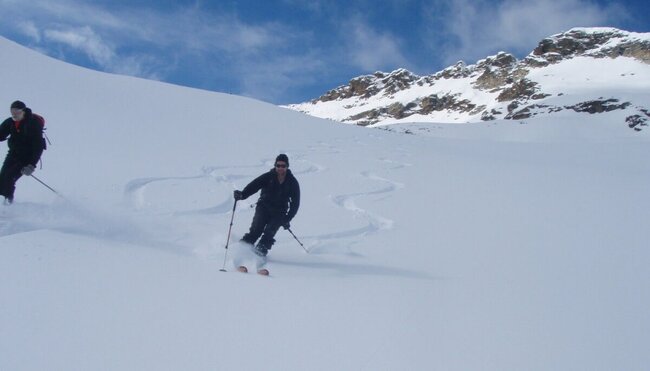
{"points": [[507, 88]]}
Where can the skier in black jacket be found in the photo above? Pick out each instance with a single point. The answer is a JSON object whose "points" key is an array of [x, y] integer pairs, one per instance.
{"points": [[277, 205], [26, 144]]}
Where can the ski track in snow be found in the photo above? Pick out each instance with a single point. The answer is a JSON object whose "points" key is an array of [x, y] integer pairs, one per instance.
{"points": [[222, 177], [135, 190], [140, 226], [375, 222], [227, 176], [346, 239], [395, 164]]}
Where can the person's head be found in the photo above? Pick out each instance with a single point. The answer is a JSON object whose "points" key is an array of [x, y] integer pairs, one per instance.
{"points": [[281, 163], [17, 110]]}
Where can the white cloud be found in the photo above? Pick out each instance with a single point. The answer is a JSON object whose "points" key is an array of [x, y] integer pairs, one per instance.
{"points": [[476, 29], [104, 35], [102, 52], [85, 40], [315, 6], [277, 76], [30, 30], [261, 59], [141, 66], [230, 34], [371, 50]]}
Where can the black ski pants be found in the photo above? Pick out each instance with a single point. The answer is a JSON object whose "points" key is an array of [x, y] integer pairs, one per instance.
{"points": [[9, 175], [266, 224]]}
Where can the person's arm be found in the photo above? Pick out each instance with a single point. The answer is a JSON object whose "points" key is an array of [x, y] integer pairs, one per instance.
{"points": [[294, 201], [5, 130], [254, 186]]}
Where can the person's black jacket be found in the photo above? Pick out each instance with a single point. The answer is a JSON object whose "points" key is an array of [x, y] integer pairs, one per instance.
{"points": [[26, 142], [276, 197]]}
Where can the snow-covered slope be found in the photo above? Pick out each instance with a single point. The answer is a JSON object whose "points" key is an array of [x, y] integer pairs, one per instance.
{"points": [[499, 247], [586, 70]]}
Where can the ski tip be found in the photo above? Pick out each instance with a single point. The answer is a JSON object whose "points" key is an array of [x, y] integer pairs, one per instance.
{"points": [[263, 272], [242, 269]]}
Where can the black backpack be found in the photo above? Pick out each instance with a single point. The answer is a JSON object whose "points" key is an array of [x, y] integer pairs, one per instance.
{"points": [[41, 120]]}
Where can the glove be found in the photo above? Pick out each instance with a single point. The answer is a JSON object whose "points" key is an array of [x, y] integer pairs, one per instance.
{"points": [[28, 170], [238, 195], [286, 225]]}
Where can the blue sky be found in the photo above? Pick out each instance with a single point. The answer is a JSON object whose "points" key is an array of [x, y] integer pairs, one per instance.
{"points": [[289, 51]]}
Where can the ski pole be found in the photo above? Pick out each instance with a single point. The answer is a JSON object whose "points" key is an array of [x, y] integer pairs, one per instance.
{"points": [[223, 269], [48, 187], [294, 236]]}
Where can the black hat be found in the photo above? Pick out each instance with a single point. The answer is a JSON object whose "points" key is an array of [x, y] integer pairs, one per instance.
{"points": [[282, 157], [18, 104]]}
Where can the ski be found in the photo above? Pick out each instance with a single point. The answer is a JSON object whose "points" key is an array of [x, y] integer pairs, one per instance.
{"points": [[261, 272]]}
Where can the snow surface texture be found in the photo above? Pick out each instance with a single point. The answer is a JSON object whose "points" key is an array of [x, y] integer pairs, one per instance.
{"points": [[480, 247]]}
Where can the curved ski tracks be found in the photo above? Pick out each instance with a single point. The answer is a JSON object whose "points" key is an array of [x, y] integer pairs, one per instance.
{"points": [[135, 195]]}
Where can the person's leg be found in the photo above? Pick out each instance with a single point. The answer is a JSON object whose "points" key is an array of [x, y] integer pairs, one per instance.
{"points": [[267, 240], [257, 226], [9, 174]]}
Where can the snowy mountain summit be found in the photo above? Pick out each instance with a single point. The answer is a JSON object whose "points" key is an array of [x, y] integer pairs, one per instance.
{"points": [[585, 70]]}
